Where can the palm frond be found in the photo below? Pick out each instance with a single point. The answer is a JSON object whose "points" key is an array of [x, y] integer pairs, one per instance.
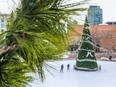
{"points": [[37, 32]]}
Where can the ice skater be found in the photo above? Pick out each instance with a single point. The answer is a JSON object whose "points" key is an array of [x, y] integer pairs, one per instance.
{"points": [[62, 67], [68, 66]]}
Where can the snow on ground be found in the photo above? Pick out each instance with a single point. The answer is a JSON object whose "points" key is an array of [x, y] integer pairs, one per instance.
{"points": [[72, 78]]}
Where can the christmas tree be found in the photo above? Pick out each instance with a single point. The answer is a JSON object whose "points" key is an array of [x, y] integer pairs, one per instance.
{"points": [[86, 60]]}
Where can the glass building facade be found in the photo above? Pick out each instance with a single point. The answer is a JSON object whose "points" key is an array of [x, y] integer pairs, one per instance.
{"points": [[95, 15]]}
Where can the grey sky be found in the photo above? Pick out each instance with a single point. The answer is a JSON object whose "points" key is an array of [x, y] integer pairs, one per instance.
{"points": [[108, 6]]}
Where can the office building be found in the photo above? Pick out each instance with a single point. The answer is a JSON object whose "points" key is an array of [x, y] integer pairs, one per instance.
{"points": [[95, 15]]}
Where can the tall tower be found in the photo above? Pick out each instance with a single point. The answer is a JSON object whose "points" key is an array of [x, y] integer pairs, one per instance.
{"points": [[95, 15]]}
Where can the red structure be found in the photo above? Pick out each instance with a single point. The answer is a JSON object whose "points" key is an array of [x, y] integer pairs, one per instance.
{"points": [[104, 36]]}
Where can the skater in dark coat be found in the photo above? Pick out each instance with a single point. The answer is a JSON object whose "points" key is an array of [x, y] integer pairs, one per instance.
{"points": [[62, 67], [68, 66]]}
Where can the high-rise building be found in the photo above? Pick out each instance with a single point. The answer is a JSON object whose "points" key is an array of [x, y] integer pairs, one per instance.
{"points": [[95, 15]]}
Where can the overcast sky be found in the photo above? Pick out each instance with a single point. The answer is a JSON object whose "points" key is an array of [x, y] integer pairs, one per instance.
{"points": [[109, 9], [108, 6]]}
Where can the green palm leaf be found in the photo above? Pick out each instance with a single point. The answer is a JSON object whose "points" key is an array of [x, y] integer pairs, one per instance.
{"points": [[35, 34]]}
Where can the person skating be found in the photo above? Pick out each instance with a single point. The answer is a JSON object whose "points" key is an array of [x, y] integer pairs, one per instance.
{"points": [[68, 66], [62, 67]]}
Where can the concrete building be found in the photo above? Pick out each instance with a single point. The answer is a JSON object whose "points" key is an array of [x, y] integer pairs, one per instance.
{"points": [[95, 15], [3, 21]]}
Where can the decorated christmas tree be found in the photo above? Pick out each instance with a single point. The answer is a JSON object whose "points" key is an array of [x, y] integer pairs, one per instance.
{"points": [[86, 60]]}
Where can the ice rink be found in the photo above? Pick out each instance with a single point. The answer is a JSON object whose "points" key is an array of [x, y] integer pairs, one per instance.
{"points": [[72, 78]]}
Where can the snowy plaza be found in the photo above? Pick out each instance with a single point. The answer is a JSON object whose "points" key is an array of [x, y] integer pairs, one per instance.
{"points": [[72, 78]]}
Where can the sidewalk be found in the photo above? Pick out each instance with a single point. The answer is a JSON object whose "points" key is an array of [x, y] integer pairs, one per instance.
{"points": [[113, 60]]}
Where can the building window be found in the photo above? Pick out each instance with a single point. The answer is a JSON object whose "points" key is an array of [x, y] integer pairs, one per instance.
{"points": [[2, 25], [2, 20]]}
